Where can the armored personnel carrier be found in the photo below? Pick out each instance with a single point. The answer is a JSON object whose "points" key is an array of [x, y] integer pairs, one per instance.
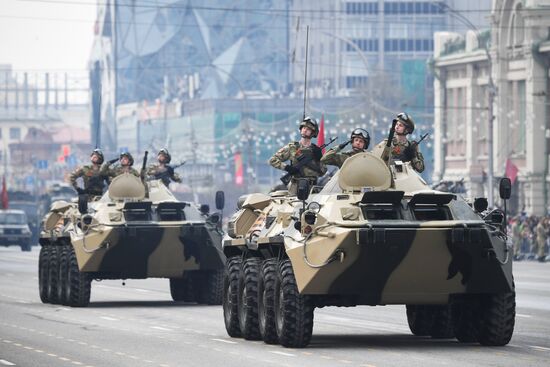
{"points": [[134, 231], [376, 234]]}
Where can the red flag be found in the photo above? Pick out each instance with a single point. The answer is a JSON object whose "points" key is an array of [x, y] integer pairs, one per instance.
{"points": [[321, 136], [239, 179], [5, 201], [511, 170]]}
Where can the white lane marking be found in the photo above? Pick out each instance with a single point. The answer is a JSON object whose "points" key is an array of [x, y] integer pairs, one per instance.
{"points": [[160, 328], [108, 318], [225, 341], [142, 290], [282, 353], [24, 302], [540, 348], [522, 315], [6, 363]]}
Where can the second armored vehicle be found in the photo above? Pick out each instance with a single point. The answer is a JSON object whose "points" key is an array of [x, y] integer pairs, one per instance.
{"points": [[133, 231], [376, 234]]}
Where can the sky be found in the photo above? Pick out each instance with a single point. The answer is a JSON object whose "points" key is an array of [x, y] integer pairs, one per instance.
{"points": [[46, 35]]}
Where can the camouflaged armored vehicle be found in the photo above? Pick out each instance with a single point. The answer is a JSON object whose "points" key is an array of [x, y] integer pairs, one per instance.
{"points": [[133, 231], [376, 234]]}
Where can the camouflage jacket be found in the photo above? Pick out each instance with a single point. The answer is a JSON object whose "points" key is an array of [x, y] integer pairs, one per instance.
{"points": [[541, 233], [159, 172], [291, 152], [94, 178], [398, 153], [335, 157]]}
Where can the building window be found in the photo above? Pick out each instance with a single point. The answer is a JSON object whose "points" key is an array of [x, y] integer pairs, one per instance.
{"points": [[15, 133]]}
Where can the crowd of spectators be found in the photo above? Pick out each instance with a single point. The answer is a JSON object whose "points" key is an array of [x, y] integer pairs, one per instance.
{"points": [[530, 237]]}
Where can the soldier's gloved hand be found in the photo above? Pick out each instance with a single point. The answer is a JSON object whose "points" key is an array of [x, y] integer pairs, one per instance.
{"points": [[80, 191], [409, 152], [317, 153], [170, 170], [291, 169], [344, 144]]}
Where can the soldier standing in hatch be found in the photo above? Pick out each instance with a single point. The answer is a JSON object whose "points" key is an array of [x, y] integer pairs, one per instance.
{"points": [[126, 162], [359, 139], [403, 149], [294, 150], [162, 170], [93, 175]]}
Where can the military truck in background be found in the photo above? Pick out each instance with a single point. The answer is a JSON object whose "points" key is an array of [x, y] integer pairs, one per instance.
{"points": [[136, 230], [375, 234]]}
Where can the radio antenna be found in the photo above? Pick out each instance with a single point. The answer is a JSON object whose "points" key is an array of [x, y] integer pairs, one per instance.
{"points": [[305, 73]]}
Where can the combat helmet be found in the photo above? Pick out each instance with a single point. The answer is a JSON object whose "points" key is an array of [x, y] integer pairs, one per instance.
{"points": [[406, 120], [130, 158], [310, 122], [99, 153], [361, 133], [165, 152]]}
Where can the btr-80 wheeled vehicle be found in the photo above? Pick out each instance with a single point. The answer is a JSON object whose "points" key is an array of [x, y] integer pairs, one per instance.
{"points": [[134, 231], [376, 234]]}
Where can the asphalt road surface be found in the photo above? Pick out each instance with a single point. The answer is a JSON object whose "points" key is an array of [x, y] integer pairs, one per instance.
{"points": [[138, 325]]}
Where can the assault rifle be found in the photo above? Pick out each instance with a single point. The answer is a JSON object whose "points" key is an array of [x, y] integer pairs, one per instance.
{"points": [[167, 174], [303, 161], [386, 153]]}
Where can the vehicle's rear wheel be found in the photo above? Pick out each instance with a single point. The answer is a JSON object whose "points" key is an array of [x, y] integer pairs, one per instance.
{"points": [[53, 274], [248, 298], [266, 302], [466, 318], [231, 296], [442, 322], [79, 284], [293, 312], [211, 291], [182, 289], [43, 272], [419, 320], [498, 313]]}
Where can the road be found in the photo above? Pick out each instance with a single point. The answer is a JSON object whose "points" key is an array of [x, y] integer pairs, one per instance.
{"points": [[137, 324]]}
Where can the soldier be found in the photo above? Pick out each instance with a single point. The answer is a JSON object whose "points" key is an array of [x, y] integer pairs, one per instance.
{"points": [[126, 162], [295, 150], [163, 171], [403, 149], [542, 235], [93, 175], [359, 139]]}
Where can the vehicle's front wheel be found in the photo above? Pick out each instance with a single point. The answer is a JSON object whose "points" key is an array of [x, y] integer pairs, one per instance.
{"points": [[43, 273], [248, 299], [231, 296], [419, 320], [182, 289], [53, 274], [293, 312], [211, 292], [498, 314], [79, 284], [466, 318], [63, 275]]}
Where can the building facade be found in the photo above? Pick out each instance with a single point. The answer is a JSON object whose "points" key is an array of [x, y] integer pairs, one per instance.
{"points": [[511, 61]]}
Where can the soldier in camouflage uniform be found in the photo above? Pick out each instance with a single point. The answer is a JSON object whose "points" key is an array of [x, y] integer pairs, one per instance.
{"points": [[542, 235], [93, 175], [126, 161], [162, 170], [359, 139], [403, 149], [294, 150]]}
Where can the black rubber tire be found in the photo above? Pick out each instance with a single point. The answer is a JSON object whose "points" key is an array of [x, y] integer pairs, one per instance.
{"points": [[26, 246], [53, 274], [442, 322], [466, 318], [211, 290], [293, 312], [79, 284], [266, 302], [181, 289], [231, 296], [43, 273], [248, 298], [498, 319], [419, 320], [63, 274]]}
